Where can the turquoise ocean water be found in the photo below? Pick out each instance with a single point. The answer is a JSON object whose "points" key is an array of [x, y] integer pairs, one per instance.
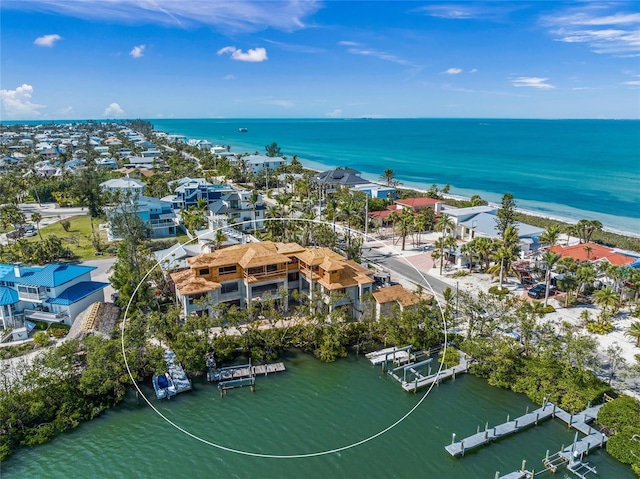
{"points": [[568, 169]]}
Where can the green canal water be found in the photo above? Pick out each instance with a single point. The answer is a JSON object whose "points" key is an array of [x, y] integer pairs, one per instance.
{"points": [[309, 408]]}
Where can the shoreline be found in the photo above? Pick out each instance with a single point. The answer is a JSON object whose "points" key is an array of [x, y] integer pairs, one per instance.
{"points": [[524, 211]]}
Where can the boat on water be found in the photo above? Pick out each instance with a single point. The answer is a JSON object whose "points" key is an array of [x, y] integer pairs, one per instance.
{"points": [[243, 130], [164, 386]]}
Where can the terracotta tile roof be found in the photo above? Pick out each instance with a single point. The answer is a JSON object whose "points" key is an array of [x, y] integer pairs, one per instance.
{"points": [[187, 283], [596, 253], [396, 293], [419, 202]]}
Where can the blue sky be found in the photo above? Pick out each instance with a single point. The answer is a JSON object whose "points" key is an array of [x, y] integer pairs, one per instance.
{"points": [[93, 59]]}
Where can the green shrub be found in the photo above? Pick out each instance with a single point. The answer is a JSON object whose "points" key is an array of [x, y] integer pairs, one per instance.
{"points": [[497, 291], [41, 338], [451, 357], [548, 309], [461, 273], [599, 328]]}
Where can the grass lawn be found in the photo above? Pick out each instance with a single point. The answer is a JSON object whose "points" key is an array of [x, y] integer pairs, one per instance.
{"points": [[78, 239]]}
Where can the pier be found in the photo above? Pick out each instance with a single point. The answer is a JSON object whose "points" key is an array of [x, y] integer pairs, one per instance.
{"points": [[397, 355], [580, 422], [243, 371], [421, 381], [179, 377]]}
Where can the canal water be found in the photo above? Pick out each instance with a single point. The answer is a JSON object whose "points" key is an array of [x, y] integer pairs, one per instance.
{"points": [[310, 408]]}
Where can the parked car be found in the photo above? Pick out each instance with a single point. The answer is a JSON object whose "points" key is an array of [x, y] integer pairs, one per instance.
{"points": [[538, 291]]}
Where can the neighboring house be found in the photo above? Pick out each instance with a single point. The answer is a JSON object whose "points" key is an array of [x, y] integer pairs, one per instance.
{"points": [[242, 274], [330, 180], [106, 163], [155, 213], [75, 165], [374, 190], [151, 154], [595, 253], [257, 163], [417, 204], [126, 186], [101, 149], [393, 296], [238, 208], [44, 168], [49, 153], [55, 293], [189, 190]]}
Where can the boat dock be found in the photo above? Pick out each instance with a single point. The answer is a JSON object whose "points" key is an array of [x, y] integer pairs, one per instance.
{"points": [[243, 371], [421, 380], [397, 355], [501, 430], [579, 422], [179, 377]]}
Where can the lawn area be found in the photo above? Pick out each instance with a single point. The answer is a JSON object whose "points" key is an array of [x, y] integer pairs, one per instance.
{"points": [[78, 238]]}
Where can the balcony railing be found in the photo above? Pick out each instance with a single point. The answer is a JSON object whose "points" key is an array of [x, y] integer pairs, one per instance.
{"points": [[45, 315], [261, 276], [24, 296]]}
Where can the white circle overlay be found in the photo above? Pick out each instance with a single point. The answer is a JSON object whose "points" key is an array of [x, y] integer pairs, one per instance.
{"points": [[301, 455]]}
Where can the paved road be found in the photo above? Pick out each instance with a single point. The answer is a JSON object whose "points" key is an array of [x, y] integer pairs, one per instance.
{"points": [[399, 265]]}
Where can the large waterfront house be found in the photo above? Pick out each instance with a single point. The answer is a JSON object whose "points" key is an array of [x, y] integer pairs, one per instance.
{"points": [[331, 180], [595, 253], [55, 293], [257, 163], [124, 186], [188, 191], [246, 273]]}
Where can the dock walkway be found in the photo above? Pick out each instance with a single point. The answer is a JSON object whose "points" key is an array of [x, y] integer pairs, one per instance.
{"points": [[579, 422], [244, 371], [180, 380], [397, 355], [421, 381]]}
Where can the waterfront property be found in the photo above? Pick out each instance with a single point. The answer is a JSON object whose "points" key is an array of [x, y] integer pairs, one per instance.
{"points": [[155, 213], [251, 272], [188, 191], [55, 293], [175, 379], [395, 296]]}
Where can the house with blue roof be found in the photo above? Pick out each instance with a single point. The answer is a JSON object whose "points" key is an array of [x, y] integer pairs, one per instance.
{"points": [[54, 293]]}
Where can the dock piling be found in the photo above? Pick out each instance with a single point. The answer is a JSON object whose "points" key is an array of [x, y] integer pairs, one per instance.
{"points": [[524, 464], [453, 438]]}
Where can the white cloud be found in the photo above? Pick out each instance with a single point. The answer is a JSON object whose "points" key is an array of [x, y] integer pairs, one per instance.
{"points": [[137, 51], [474, 70], [16, 104], [113, 111], [603, 30], [379, 54], [532, 82], [65, 112], [469, 11], [229, 77], [346, 43], [632, 83], [47, 40], [337, 113], [453, 71], [282, 103], [287, 15], [252, 55]]}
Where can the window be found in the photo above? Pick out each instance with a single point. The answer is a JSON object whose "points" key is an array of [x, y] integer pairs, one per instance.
{"points": [[203, 271], [271, 268], [227, 270], [293, 276], [256, 270], [229, 288]]}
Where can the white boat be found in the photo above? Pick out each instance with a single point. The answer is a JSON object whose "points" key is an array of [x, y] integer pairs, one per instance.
{"points": [[164, 386], [243, 130]]}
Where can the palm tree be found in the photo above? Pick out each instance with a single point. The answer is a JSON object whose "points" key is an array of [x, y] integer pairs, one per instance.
{"points": [[550, 235], [388, 175], [394, 217], [503, 258], [484, 249], [634, 332], [442, 246], [549, 259], [468, 250], [588, 249], [585, 274], [420, 224], [37, 218], [405, 225], [254, 201], [607, 298]]}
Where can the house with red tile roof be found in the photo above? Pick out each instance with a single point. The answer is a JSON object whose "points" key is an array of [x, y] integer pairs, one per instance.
{"points": [[595, 253]]}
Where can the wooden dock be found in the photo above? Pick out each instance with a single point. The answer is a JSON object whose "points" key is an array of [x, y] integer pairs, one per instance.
{"points": [[180, 380], [421, 381], [501, 430], [397, 355], [244, 371]]}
